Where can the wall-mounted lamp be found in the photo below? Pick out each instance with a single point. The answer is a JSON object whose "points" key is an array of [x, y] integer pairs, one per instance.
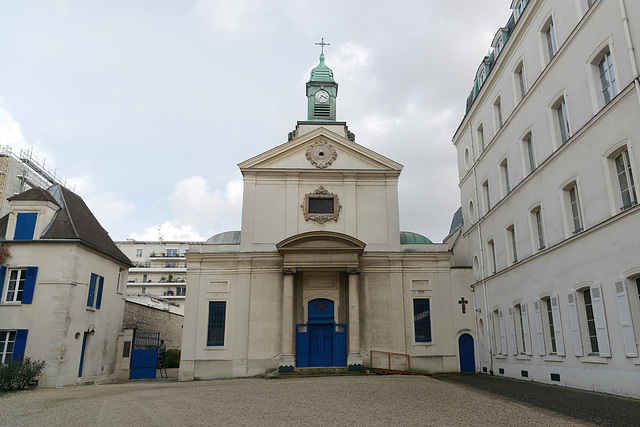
{"points": [[92, 329], [478, 310]]}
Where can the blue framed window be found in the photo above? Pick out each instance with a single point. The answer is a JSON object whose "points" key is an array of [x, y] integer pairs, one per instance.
{"points": [[422, 320], [12, 345], [215, 330], [95, 291], [20, 284], [25, 226]]}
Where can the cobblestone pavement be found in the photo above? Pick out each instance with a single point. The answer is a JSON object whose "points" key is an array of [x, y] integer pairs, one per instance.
{"points": [[596, 408], [356, 401]]}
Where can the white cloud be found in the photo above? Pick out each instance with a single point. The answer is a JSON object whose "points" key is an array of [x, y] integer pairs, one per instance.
{"points": [[10, 132], [168, 231], [231, 16]]}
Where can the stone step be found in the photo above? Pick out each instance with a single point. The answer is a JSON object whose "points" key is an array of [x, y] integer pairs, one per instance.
{"points": [[314, 372]]}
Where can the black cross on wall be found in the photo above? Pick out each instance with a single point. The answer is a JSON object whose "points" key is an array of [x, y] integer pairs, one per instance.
{"points": [[464, 302]]}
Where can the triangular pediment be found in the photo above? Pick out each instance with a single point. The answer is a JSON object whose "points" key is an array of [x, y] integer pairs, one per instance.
{"points": [[321, 149]]}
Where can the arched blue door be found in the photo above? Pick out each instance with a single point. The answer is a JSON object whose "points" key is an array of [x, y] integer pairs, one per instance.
{"points": [[467, 358], [321, 341]]}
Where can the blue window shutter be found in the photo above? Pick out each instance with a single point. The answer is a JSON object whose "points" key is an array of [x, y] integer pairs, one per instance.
{"points": [[92, 290], [20, 345], [29, 285], [25, 226], [3, 275], [99, 296]]}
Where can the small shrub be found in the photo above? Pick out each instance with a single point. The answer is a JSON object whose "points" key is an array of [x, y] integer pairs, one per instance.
{"points": [[18, 375], [172, 358]]}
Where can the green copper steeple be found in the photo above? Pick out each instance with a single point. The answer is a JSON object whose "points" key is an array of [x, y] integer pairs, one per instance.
{"points": [[322, 91]]}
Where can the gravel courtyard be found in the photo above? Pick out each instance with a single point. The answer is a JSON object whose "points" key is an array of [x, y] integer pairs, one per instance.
{"points": [[366, 401]]}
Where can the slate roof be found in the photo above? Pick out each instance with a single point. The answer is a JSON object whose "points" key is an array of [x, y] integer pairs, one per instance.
{"points": [[456, 222], [73, 221]]}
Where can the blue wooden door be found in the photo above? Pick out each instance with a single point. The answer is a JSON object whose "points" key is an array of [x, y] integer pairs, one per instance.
{"points": [[144, 355], [467, 358], [320, 345], [302, 346]]}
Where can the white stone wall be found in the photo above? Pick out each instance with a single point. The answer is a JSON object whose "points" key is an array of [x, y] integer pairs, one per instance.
{"points": [[59, 315], [605, 250]]}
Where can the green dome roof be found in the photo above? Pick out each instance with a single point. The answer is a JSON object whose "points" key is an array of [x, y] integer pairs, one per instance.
{"points": [[409, 238], [321, 73]]}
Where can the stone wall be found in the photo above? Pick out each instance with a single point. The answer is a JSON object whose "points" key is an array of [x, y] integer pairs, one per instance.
{"points": [[146, 318]]}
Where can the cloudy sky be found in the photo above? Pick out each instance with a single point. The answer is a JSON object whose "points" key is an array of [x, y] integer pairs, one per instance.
{"points": [[147, 107]]}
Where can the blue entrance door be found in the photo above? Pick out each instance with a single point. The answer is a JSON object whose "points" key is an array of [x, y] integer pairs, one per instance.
{"points": [[467, 358], [320, 345]]}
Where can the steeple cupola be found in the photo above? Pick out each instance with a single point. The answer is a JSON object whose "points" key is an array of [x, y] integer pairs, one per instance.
{"points": [[322, 91]]}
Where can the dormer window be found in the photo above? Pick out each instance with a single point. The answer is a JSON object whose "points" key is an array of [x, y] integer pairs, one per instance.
{"points": [[25, 225]]}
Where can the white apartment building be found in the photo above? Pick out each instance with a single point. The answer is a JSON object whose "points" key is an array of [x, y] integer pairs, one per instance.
{"points": [[548, 158], [160, 273]]}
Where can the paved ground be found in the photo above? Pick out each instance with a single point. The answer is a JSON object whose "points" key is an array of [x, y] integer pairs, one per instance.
{"points": [[356, 401], [597, 408]]}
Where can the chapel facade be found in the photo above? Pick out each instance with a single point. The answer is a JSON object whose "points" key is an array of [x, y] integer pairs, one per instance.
{"points": [[320, 274]]}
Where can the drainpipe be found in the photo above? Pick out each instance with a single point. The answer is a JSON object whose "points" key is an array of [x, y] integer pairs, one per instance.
{"points": [[632, 56]]}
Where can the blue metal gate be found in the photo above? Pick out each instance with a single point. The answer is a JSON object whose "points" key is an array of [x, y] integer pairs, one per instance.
{"points": [[144, 356]]}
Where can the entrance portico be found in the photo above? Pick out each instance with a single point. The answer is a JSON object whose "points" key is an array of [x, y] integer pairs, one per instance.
{"points": [[320, 268]]}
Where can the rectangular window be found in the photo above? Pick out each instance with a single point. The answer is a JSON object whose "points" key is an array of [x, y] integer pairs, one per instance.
{"points": [[215, 330], [487, 196], [530, 153], [25, 226], [498, 106], [625, 180], [522, 82], [7, 342], [321, 205], [172, 252], [552, 332], [591, 323], [138, 253], [147, 264], [492, 254], [481, 137], [574, 198], [422, 320], [181, 291], [539, 227], [511, 232], [607, 78], [504, 166], [15, 287], [563, 121], [522, 329], [550, 36]]}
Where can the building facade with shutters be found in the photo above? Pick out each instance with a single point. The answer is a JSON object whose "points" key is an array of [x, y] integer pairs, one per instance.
{"points": [[548, 158], [62, 288], [320, 274]]}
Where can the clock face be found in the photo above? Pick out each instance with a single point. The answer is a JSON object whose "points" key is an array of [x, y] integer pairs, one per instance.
{"points": [[322, 96]]}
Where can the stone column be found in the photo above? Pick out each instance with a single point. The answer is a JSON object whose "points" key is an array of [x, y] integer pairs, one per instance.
{"points": [[287, 361], [354, 358]]}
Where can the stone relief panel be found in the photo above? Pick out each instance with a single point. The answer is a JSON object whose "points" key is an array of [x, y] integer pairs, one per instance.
{"points": [[321, 154]]}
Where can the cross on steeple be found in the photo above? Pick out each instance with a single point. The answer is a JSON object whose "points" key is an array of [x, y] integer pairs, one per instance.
{"points": [[323, 44], [464, 303]]}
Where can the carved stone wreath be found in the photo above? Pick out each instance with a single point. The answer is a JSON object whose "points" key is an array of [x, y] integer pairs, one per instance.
{"points": [[321, 218], [321, 154]]}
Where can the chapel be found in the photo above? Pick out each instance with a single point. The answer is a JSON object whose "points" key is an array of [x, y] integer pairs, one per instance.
{"points": [[320, 274]]}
